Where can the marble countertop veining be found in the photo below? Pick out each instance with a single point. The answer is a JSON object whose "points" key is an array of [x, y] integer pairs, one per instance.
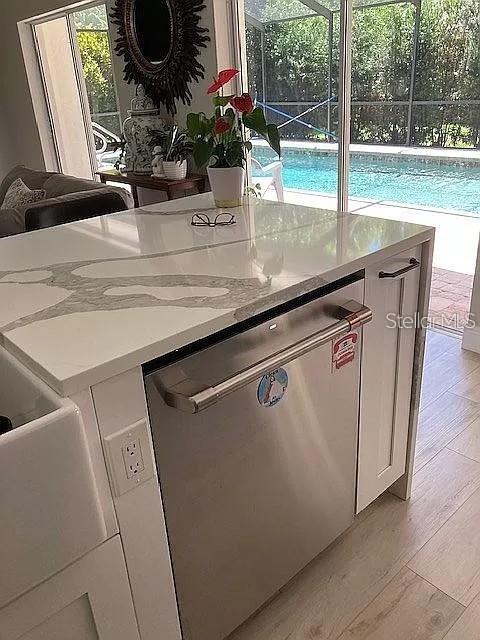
{"points": [[86, 301]]}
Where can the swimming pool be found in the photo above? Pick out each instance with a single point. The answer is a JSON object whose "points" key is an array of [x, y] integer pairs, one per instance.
{"points": [[407, 180]]}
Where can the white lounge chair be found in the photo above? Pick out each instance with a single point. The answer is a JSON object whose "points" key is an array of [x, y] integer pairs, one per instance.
{"points": [[273, 178]]}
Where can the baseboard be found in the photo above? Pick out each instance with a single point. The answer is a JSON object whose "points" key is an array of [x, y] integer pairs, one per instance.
{"points": [[447, 331], [471, 339]]}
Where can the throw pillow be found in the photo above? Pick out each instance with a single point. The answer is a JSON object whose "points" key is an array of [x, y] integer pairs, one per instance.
{"points": [[18, 195]]}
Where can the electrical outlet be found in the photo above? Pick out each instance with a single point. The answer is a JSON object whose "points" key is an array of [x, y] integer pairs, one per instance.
{"points": [[133, 468], [129, 457], [132, 447], [133, 458]]}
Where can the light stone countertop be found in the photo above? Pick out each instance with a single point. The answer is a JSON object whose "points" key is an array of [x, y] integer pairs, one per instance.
{"points": [[83, 302]]}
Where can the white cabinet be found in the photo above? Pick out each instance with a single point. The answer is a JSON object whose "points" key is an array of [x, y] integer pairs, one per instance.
{"points": [[89, 600], [387, 367], [52, 511]]}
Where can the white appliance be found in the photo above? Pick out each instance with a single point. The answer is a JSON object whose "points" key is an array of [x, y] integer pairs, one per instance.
{"points": [[255, 434]]}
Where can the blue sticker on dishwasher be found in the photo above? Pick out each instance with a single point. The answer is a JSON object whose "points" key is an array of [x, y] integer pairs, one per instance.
{"points": [[272, 387]]}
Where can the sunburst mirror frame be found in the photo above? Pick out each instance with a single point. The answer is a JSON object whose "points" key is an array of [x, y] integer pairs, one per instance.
{"points": [[167, 81]]}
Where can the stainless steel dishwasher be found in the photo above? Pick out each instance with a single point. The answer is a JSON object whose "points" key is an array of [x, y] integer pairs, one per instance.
{"points": [[255, 438]]}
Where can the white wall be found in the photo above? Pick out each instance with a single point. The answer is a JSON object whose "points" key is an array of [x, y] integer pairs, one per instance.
{"points": [[16, 110], [216, 56], [16, 102], [125, 92], [5, 140], [471, 336]]}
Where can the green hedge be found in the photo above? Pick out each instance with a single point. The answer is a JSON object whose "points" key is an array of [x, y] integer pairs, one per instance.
{"points": [[448, 69]]}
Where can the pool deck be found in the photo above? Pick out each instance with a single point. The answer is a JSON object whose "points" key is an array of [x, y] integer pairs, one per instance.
{"points": [[455, 254], [469, 156], [450, 297]]}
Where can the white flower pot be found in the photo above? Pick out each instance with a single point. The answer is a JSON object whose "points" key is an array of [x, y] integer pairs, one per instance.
{"points": [[175, 170], [228, 185]]}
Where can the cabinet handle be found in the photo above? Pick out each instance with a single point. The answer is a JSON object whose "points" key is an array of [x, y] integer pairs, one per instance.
{"points": [[414, 264], [192, 397]]}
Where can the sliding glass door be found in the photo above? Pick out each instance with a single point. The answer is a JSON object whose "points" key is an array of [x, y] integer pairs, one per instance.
{"points": [[291, 68], [75, 59], [66, 109], [415, 132]]}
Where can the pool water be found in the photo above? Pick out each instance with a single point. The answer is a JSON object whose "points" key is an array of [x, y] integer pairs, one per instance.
{"points": [[406, 180]]}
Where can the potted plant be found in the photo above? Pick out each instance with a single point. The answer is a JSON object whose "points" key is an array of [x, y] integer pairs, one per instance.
{"points": [[220, 143], [176, 148]]}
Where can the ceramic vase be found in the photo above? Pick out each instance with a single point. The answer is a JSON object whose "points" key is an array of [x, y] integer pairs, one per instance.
{"points": [[143, 120], [228, 185]]}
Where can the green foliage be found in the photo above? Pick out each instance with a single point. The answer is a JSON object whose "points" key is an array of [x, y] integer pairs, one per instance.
{"points": [[273, 138], [296, 53], [92, 37], [199, 126], [256, 121], [221, 101], [224, 149], [176, 145], [203, 151], [91, 18], [97, 69], [296, 69], [382, 52]]}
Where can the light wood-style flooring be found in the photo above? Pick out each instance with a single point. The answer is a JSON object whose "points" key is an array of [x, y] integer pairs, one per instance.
{"points": [[404, 570]]}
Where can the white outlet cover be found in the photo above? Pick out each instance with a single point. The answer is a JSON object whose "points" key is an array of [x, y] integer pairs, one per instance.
{"points": [[115, 444]]}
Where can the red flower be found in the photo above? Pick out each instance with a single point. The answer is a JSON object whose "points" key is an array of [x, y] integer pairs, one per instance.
{"points": [[223, 77], [222, 125], [243, 103]]}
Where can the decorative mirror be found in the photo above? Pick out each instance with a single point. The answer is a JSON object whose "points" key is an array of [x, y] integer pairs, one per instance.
{"points": [[160, 41]]}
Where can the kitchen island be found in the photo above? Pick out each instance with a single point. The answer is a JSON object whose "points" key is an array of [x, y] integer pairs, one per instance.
{"points": [[89, 308]]}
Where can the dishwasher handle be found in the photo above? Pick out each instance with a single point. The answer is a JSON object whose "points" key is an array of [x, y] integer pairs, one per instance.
{"points": [[413, 263], [192, 397]]}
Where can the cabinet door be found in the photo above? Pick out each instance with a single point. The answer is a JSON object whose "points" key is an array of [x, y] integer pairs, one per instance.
{"points": [[387, 366], [89, 600]]}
